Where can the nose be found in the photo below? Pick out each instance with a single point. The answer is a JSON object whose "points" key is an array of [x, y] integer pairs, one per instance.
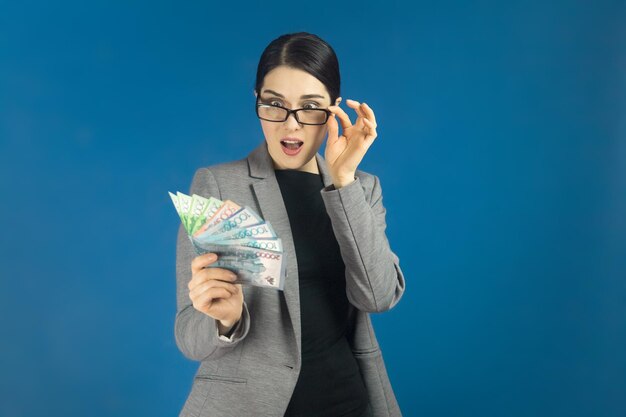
{"points": [[291, 121]]}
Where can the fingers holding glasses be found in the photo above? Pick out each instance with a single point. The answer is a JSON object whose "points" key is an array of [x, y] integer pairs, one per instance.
{"points": [[363, 111], [342, 115]]}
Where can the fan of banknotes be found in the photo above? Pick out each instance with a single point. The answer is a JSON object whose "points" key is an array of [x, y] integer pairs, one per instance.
{"points": [[244, 243]]}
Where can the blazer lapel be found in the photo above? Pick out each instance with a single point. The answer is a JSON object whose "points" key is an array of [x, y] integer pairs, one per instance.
{"points": [[273, 210]]}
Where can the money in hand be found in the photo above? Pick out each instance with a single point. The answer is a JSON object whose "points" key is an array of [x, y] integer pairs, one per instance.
{"points": [[244, 243]]}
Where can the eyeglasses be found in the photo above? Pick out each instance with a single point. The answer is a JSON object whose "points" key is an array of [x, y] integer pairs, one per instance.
{"points": [[280, 114]]}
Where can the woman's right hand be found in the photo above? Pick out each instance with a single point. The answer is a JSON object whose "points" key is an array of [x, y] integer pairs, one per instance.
{"points": [[212, 292]]}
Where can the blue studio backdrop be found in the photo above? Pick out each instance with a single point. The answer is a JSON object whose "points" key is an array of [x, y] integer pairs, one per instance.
{"points": [[501, 151]]}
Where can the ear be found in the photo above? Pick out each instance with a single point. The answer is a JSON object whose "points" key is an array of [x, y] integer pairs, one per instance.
{"points": [[337, 101], [255, 94]]}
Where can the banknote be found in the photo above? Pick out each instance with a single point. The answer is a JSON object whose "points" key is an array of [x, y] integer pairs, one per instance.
{"points": [[253, 266], [194, 211], [261, 230], [269, 244], [240, 218], [244, 242], [202, 209], [226, 210]]}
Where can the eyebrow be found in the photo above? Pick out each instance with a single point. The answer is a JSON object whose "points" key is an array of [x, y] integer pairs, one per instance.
{"points": [[303, 97]]}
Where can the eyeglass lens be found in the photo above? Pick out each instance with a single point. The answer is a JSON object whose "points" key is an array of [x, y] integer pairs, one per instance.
{"points": [[277, 114]]}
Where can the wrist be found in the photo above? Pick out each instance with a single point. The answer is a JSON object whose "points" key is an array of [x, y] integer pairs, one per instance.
{"points": [[224, 326], [342, 182]]}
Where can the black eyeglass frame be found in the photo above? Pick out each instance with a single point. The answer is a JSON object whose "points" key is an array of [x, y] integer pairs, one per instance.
{"points": [[289, 112]]}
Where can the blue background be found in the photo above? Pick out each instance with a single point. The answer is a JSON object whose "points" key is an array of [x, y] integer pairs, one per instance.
{"points": [[502, 154]]}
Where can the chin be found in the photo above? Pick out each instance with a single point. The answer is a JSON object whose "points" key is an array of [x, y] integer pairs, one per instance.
{"points": [[291, 163]]}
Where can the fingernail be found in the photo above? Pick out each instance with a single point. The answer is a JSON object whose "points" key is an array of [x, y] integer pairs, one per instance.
{"points": [[212, 257]]}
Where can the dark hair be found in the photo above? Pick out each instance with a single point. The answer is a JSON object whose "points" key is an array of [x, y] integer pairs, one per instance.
{"points": [[304, 51]]}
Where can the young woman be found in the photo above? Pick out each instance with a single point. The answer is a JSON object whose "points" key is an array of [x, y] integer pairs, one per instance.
{"points": [[309, 350]]}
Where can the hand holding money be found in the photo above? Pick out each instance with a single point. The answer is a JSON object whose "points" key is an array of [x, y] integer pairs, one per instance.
{"points": [[212, 292], [243, 242]]}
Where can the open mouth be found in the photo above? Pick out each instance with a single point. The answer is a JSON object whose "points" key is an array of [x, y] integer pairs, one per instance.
{"points": [[292, 144]]}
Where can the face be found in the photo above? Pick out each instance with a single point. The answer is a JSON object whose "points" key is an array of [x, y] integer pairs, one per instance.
{"points": [[287, 86]]}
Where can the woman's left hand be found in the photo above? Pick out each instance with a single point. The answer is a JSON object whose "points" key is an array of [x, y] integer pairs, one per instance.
{"points": [[344, 153]]}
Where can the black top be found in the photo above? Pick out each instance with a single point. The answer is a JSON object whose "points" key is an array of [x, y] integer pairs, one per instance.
{"points": [[329, 383]]}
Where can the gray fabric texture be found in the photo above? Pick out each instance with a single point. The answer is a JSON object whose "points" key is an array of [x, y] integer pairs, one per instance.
{"points": [[255, 373]]}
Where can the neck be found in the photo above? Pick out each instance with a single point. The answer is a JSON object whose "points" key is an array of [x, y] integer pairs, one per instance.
{"points": [[310, 166]]}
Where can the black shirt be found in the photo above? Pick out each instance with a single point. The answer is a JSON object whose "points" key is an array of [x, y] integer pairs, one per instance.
{"points": [[329, 383]]}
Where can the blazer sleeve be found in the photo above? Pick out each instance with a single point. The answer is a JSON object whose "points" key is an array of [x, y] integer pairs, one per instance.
{"points": [[374, 280], [197, 335]]}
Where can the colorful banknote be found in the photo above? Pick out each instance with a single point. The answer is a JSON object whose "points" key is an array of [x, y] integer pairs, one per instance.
{"points": [[244, 243]]}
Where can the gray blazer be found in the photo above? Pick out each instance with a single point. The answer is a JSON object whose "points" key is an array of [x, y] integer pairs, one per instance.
{"points": [[255, 373]]}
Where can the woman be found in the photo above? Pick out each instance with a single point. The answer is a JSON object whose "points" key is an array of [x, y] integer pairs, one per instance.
{"points": [[309, 350]]}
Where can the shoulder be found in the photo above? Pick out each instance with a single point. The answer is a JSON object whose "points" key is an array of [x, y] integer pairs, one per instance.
{"points": [[225, 168], [210, 179], [223, 171]]}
